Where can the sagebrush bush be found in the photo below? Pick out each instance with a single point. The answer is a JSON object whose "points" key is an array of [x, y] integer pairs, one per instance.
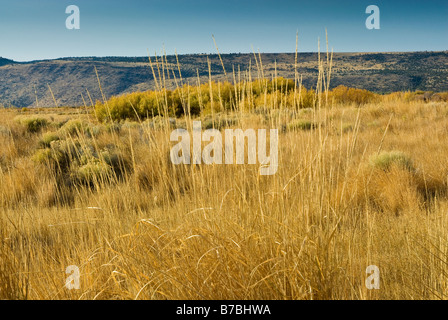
{"points": [[347, 127], [300, 124], [75, 127], [386, 159], [94, 172], [34, 124], [59, 155], [48, 138]]}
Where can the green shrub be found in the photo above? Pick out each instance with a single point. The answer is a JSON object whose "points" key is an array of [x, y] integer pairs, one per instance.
{"points": [[301, 125], [113, 127], [131, 125], [386, 159], [48, 138], [34, 124], [347, 127], [59, 155], [77, 127], [74, 127], [42, 156], [94, 131], [93, 171]]}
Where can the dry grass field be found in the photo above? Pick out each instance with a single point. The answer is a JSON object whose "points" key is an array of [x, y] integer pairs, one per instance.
{"points": [[358, 184]]}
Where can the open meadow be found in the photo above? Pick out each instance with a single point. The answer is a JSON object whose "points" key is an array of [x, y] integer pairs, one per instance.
{"points": [[362, 180]]}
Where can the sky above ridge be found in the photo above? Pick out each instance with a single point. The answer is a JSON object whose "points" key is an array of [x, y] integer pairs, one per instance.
{"points": [[32, 30]]}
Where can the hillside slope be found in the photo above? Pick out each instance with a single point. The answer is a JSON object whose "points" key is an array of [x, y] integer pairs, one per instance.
{"points": [[27, 84]]}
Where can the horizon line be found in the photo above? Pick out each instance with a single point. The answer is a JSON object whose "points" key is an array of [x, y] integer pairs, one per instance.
{"points": [[222, 54]]}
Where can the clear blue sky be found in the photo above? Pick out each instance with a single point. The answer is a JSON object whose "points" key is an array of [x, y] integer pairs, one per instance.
{"points": [[31, 29]]}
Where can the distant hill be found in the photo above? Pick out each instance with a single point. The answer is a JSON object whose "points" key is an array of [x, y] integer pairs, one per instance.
{"points": [[4, 61], [25, 84]]}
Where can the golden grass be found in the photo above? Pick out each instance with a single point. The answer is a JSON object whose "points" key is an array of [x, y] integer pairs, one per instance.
{"points": [[222, 231]]}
